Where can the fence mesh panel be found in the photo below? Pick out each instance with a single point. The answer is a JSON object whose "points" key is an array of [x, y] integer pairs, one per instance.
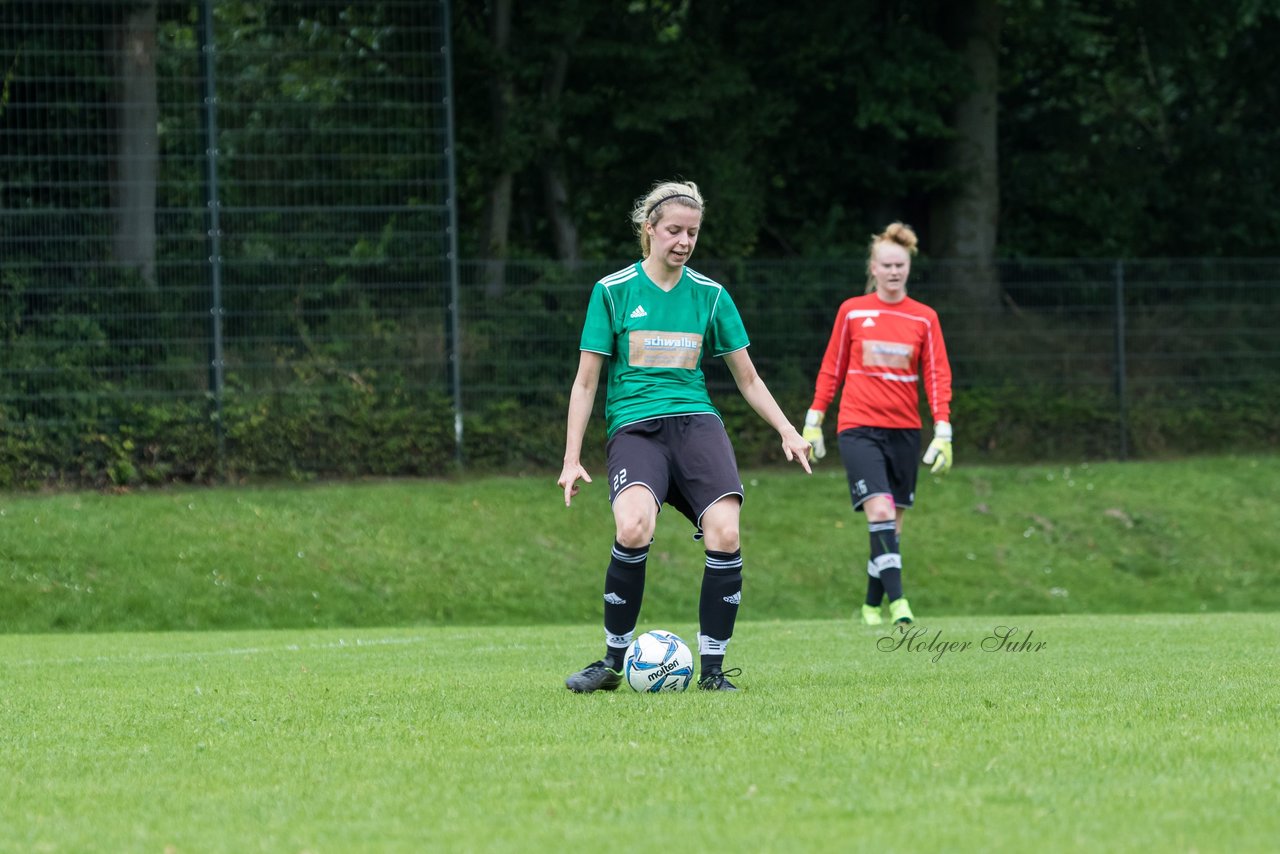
{"points": [[224, 244], [209, 204]]}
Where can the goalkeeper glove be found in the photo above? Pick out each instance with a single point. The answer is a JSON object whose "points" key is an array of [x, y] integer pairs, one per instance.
{"points": [[813, 434], [939, 451]]}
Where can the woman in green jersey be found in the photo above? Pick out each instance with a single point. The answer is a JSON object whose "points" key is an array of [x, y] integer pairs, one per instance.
{"points": [[651, 323]]}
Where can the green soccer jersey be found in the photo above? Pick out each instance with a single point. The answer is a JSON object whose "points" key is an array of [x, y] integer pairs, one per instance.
{"points": [[655, 340]]}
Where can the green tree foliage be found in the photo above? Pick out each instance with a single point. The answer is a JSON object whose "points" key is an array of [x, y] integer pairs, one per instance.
{"points": [[1129, 127], [1140, 128], [798, 122]]}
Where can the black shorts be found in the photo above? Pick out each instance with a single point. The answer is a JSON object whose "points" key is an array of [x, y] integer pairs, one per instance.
{"points": [[686, 461], [881, 461]]}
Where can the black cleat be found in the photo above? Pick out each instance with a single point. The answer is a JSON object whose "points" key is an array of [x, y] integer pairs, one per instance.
{"points": [[594, 677], [715, 679]]}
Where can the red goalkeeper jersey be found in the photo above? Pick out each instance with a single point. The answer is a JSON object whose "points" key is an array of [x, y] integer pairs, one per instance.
{"points": [[882, 353]]}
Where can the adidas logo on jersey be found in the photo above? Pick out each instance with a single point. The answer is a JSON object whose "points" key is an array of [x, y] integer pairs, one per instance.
{"points": [[639, 312], [868, 322]]}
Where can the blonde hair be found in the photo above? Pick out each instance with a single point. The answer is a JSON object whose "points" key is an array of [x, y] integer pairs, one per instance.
{"points": [[898, 233], [649, 208]]}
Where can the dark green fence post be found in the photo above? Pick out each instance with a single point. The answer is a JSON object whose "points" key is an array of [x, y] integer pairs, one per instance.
{"points": [[213, 224], [1122, 392], [455, 327]]}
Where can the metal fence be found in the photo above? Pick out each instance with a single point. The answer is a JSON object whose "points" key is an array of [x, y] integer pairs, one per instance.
{"points": [[199, 198], [226, 243], [1107, 358]]}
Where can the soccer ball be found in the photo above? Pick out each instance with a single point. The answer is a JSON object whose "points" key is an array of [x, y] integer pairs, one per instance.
{"points": [[658, 661]]}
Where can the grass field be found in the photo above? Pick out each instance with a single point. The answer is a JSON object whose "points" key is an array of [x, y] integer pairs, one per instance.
{"points": [[1180, 536], [379, 667], [1119, 733]]}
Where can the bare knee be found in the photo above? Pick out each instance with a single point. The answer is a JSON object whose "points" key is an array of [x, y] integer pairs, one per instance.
{"points": [[635, 515], [634, 531], [720, 525], [879, 509], [722, 540]]}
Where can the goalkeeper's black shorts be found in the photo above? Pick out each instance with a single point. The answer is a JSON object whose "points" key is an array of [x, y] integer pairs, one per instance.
{"points": [[881, 461]]}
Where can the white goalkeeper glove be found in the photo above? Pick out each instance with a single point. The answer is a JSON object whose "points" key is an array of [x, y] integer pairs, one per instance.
{"points": [[939, 451], [813, 434]]}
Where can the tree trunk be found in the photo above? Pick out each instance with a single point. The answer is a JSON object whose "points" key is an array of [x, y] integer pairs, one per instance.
{"points": [[564, 231], [964, 222], [497, 231], [133, 193]]}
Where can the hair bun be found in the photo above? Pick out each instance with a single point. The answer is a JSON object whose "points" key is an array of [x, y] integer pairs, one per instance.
{"points": [[901, 234]]}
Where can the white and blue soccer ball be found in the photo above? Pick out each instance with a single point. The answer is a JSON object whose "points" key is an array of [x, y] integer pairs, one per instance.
{"points": [[658, 661]]}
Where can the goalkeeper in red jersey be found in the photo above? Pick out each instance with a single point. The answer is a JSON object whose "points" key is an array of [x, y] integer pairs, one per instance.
{"points": [[883, 347]]}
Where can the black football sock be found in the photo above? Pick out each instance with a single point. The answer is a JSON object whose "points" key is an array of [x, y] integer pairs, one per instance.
{"points": [[892, 581], [895, 575], [875, 591], [718, 605], [623, 593], [885, 557]]}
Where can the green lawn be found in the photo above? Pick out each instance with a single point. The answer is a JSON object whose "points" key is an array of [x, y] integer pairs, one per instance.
{"points": [[1185, 536], [378, 667], [1119, 733]]}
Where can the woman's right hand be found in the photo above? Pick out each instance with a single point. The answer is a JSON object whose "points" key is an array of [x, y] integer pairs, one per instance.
{"points": [[569, 480]]}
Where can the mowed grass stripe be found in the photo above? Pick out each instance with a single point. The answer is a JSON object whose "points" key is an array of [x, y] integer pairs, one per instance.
{"points": [[344, 641], [1102, 538], [1122, 733]]}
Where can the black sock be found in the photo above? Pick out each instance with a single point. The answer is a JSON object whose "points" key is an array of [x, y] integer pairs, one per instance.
{"points": [[886, 559], [875, 591], [895, 575], [623, 593], [718, 605], [892, 581]]}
